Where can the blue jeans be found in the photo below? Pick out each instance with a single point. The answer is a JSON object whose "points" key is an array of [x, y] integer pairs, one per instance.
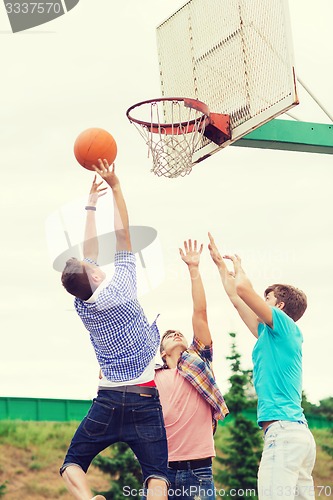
{"points": [[127, 417], [190, 483]]}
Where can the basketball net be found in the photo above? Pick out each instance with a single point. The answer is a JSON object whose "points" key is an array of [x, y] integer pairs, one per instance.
{"points": [[172, 129]]}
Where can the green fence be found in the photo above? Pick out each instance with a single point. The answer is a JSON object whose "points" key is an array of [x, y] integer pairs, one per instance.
{"points": [[40, 409], [64, 410], [314, 421]]}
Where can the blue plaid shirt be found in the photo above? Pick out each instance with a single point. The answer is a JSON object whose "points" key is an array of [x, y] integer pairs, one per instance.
{"points": [[123, 340]]}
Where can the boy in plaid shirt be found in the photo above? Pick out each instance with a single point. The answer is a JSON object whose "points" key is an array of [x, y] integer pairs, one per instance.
{"points": [[127, 406], [191, 400]]}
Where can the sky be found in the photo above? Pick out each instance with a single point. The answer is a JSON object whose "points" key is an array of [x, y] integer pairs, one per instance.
{"points": [[273, 208]]}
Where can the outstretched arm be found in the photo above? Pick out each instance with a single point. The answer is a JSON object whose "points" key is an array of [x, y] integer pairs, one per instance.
{"points": [[229, 285], [90, 243], [191, 257], [121, 222], [247, 293]]}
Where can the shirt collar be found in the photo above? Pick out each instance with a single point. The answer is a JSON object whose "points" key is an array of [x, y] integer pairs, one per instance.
{"points": [[98, 290]]}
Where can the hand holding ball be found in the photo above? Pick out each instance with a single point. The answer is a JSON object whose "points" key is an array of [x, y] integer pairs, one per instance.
{"points": [[92, 144]]}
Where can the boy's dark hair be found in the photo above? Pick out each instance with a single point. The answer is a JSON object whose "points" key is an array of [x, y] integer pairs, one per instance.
{"points": [[75, 279], [295, 301]]}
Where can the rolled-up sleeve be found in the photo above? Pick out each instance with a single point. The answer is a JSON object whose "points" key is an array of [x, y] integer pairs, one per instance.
{"points": [[124, 278]]}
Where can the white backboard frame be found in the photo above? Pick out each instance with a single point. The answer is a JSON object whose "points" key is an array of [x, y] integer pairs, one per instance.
{"points": [[234, 55]]}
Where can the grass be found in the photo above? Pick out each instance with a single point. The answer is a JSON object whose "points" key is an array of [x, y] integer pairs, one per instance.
{"points": [[32, 452], [24, 434]]}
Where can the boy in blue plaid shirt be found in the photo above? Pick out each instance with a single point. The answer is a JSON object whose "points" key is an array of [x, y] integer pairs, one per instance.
{"points": [[127, 407]]}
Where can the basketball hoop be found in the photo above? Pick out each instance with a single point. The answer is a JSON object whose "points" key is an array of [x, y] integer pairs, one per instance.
{"points": [[173, 128]]}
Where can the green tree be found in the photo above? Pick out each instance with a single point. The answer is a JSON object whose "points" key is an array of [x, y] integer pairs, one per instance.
{"points": [[309, 408], [325, 409], [124, 469], [3, 489], [241, 458], [327, 448]]}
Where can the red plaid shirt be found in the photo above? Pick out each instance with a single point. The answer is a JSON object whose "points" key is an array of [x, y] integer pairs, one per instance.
{"points": [[195, 365]]}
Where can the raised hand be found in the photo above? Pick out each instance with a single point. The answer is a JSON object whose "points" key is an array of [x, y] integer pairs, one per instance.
{"points": [[228, 277], [214, 253], [236, 260], [103, 169], [231, 281], [95, 192], [191, 254]]}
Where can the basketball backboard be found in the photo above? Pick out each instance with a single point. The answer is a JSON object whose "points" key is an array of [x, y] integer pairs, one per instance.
{"points": [[234, 55]]}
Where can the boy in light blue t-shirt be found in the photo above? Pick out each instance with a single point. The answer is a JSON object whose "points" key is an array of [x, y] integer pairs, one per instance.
{"points": [[289, 448]]}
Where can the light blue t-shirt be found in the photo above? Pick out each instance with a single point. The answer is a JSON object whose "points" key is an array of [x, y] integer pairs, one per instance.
{"points": [[277, 372]]}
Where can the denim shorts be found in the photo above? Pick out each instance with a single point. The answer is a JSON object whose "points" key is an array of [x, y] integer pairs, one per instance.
{"points": [[122, 417]]}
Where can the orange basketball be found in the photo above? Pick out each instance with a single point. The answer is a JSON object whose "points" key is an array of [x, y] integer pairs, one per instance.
{"points": [[92, 144]]}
